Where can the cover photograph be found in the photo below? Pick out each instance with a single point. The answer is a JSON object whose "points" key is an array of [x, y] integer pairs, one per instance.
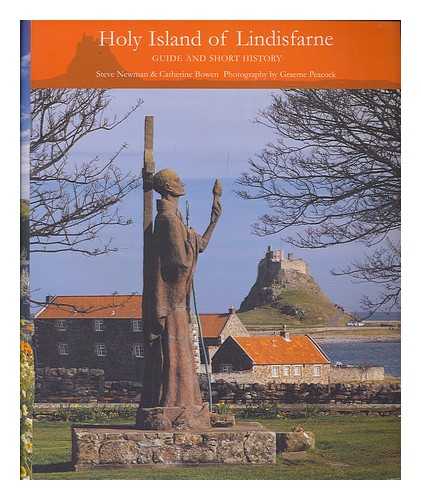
{"points": [[210, 250]]}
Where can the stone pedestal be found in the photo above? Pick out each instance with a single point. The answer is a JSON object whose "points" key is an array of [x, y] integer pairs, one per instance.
{"points": [[173, 418], [126, 446]]}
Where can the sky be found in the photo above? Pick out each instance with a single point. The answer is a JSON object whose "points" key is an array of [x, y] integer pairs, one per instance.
{"points": [[202, 134]]}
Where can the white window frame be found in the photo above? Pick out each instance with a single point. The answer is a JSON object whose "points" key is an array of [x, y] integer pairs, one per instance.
{"points": [[99, 325], [136, 325], [317, 371], [138, 351], [63, 349], [226, 368], [60, 324], [101, 350], [299, 369], [275, 371], [286, 371]]}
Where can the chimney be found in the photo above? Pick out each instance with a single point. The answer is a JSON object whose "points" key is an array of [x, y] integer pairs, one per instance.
{"points": [[48, 299], [285, 333], [290, 256], [231, 309]]}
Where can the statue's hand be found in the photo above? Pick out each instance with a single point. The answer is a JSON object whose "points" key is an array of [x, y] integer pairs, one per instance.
{"points": [[216, 211]]}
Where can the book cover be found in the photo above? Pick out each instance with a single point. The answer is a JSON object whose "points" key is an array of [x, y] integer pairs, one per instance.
{"points": [[210, 249]]}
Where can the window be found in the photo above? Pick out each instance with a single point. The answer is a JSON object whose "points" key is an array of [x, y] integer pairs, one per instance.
{"points": [[63, 349], [317, 371], [296, 371], [226, 368], [99, 325], [100, 350], [60, 324], [275, 371], [286, 371], [137, 325], [138, 350]]}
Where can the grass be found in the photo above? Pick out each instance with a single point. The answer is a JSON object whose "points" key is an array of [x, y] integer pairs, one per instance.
{"points": [[346, 448], [317, 307]]}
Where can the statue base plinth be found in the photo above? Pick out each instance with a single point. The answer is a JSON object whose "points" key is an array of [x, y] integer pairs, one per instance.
{"points": [[96, 446], [173, 418]]}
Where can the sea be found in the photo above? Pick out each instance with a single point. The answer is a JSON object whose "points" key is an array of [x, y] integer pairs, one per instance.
{"points": [[387, 354]]}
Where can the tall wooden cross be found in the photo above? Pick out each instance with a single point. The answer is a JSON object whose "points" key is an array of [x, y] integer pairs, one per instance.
{"points": [[147, 174]]}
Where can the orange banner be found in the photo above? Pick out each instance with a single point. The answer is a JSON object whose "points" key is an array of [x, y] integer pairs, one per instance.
{"points": [[215, 54]]}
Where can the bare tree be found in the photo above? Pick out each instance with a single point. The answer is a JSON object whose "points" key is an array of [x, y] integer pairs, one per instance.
{"points": [[71, 204], [333, 174]]}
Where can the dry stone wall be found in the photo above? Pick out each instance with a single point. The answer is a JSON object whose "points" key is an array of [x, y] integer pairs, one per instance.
{"points": [[275, 393], [356, 374], [82, 385]]}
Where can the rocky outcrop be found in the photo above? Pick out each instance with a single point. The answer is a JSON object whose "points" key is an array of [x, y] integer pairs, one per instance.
{"points": [[292, 293], [296, 440]]}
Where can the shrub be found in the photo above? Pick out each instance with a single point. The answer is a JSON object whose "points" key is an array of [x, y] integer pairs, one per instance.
{"points": [[263, 410], [222, 408], [97, 413]]}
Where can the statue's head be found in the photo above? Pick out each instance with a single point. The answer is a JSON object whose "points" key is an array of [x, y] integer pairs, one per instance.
{"points": [[167, 182]]}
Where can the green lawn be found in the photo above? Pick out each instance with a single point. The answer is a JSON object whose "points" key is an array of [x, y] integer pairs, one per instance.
{"points": [[346, 448]]}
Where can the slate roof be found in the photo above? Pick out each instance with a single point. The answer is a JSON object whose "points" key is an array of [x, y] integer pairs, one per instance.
{"points": [[275, 350], [92, 306]]}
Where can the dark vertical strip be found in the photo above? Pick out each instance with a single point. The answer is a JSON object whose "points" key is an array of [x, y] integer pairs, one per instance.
{"points": [[25, 122], [27, 371]]}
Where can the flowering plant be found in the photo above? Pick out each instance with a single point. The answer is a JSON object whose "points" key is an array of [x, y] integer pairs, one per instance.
{"points": [[27, 379]]}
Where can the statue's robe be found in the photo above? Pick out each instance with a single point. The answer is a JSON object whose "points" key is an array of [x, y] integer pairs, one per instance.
{"points": [[170, 377]]}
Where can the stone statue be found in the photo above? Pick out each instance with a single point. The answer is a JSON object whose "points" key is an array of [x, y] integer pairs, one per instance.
{"points": [[171, 397]]}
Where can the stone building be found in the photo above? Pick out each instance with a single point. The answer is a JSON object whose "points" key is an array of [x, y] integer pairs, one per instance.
{"points": [[92, 331], [286, 263], [271, 358], [216, 327], [106, 332]]}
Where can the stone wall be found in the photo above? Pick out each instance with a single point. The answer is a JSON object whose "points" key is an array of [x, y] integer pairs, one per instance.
{"points": [[363, 393], [96, 447], [81, 339], [295, 265], [82, 384], [328, 375], [356, 374], [234, 328], [263, 374]]}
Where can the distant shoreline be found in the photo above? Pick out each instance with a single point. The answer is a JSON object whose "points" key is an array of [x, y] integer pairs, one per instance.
{"points": [[333, 339], [325, 335]]}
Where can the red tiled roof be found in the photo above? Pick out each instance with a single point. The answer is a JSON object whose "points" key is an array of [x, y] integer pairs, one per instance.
{"points": [[213, 324], [275, 350], [93, 306]]}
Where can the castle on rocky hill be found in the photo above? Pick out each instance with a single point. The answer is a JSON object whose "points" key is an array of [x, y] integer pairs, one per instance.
{"points": [[284, 285], [277, 259]]}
